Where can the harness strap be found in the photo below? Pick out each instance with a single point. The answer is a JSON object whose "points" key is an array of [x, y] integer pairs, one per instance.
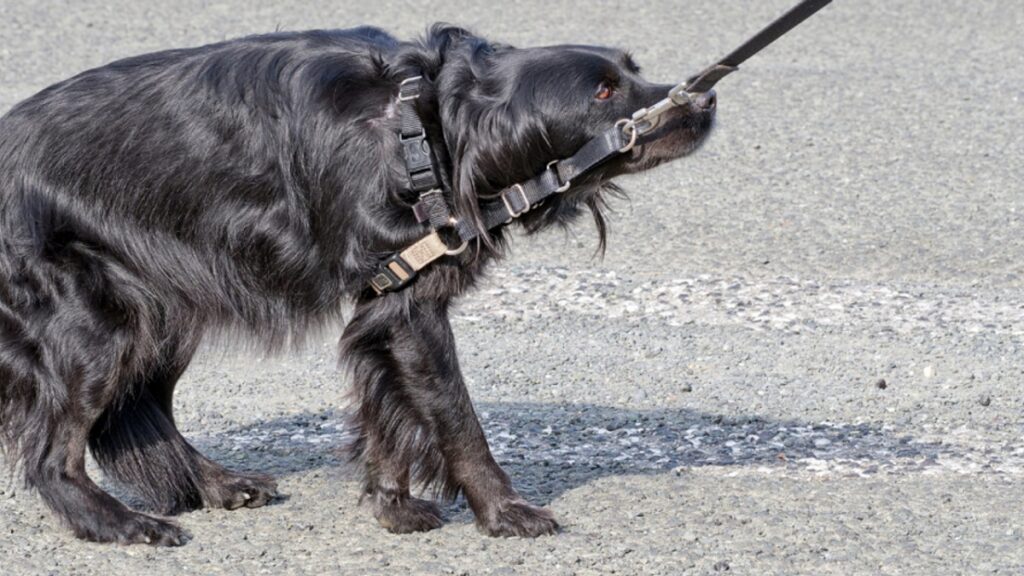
{"points": [[432, 208], [399, 269], [519, 199], [420, 162]]}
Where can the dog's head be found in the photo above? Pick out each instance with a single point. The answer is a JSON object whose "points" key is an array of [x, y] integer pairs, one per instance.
{"points": [[507, 112], [575, 93]]}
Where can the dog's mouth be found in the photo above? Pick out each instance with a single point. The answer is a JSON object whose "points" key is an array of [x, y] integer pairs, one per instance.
{"points": [[678, 135]]}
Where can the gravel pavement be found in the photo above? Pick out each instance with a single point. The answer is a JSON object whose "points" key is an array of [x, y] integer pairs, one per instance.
{"points": [[801, 355]]}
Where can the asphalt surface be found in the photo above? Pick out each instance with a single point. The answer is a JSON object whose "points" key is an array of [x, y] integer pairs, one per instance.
{"points": [[801, 355]]}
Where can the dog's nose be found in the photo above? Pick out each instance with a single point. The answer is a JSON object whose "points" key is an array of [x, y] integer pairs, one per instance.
{"points": [[706, 100]]}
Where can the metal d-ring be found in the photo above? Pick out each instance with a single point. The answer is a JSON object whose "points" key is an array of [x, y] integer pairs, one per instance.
{"points": [[563, 187], [453, 222], [402, 86], [628, 125]]}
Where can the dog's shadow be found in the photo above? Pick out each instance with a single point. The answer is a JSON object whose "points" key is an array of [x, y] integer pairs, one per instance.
{"points": [[549, 449]]}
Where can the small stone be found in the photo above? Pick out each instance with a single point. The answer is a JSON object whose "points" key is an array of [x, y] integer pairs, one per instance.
{"points": [[721, 566], [881, 384], [929, 371], [985, 400], [821, 442], [686, 387]]}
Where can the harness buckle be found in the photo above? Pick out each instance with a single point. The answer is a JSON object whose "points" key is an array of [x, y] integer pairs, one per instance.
{"points": [[419, 162], [508, 204], [394, 273]]}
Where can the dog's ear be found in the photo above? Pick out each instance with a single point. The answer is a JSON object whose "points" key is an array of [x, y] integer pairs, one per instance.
{"points": [[492, 140], [492, 146]]}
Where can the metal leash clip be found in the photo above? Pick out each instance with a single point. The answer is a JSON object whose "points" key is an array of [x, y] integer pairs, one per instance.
{"points": [[647, 119]]}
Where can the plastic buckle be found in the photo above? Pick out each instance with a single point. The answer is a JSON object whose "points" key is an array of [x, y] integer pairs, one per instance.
{"points": [[394, 274], [419, 163], [417, 153]]}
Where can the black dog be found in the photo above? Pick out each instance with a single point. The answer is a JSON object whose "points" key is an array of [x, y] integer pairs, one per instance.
{"points": [[256, 185]]}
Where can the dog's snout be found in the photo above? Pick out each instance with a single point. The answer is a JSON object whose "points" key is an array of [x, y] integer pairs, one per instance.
{"points": [[706, 100]]}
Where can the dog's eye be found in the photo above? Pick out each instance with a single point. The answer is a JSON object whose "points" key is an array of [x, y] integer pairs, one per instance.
{"points": [[604, 91]]}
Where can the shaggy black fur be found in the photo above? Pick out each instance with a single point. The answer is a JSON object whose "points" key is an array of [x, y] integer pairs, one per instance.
{"points": [[253, 186]]}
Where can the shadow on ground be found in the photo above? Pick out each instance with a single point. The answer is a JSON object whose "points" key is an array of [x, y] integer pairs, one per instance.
{"points": [[550, 449]]}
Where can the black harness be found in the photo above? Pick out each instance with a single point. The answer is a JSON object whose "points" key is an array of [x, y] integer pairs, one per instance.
{"points": [[425, 178], [510, 203]]}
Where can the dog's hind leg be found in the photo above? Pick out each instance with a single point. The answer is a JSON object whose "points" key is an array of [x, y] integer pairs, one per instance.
{"points": [[137, 443], [61, 366], [49, 405], [57, 472]]}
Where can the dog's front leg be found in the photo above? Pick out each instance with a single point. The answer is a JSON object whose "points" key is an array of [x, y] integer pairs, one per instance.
{"points": [[415, 415]]}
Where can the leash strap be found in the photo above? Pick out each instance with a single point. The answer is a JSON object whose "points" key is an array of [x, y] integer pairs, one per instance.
{"points": [[705, 80]]}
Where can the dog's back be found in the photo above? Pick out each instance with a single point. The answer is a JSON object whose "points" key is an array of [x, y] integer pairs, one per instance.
{"points": [[142, 203], [187, 169]]}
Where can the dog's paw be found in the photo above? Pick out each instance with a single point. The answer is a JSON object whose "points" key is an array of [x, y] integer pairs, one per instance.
{"points": [[518, 517], [134, 528], [407, 515], [233, 491]]}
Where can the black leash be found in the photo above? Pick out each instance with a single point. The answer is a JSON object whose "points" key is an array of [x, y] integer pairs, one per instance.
{"points": [[399, 269], [646, 119], [709, 77]]}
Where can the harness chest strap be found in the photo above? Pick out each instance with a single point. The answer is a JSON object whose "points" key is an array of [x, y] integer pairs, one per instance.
{"points": [[402, 267]]}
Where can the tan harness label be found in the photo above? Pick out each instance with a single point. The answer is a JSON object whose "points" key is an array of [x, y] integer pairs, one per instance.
{"points": [[424, 252]]}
